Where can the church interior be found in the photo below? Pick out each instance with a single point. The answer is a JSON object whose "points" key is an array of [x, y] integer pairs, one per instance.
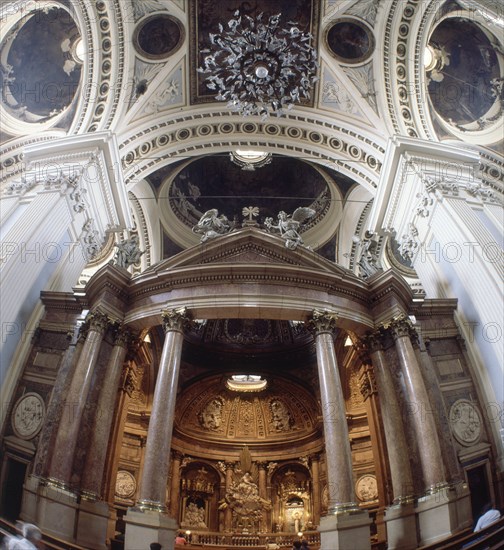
{"points": [[251, 272]]}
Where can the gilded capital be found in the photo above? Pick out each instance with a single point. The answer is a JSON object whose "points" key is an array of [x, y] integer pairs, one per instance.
{"points": [[175, 319], [322, 321]]}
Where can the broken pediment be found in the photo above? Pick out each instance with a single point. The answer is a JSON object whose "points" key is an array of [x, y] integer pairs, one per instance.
{"points": [[251, 246]]}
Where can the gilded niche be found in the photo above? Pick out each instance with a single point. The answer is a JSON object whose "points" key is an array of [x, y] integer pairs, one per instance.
{"points": [[281, 411]]}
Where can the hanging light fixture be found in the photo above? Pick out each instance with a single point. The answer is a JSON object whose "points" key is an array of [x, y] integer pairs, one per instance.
{"points": [[258, 67]]}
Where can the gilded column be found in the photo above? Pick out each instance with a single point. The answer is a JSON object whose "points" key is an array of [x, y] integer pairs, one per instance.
{"points": [[68, 430], [315, 469], [104, 415], [228, 519], [263, 491], [128, 385], [337, 443], [420, 413], [398, 452], [157, 453], [175, 484]]}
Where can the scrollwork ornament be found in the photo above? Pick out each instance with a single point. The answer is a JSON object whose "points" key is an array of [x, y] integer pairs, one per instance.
{"points": [[322, 321], [175, 319]]}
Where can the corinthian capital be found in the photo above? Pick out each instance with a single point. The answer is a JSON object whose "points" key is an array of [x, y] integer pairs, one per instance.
{"points": [[401, 326], [175, 319], [97, 321], [371, 342], [322, 321]]}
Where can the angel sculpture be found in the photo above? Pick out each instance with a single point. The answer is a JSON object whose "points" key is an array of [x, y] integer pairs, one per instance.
{"points": [[212, 225], [288, 226]]}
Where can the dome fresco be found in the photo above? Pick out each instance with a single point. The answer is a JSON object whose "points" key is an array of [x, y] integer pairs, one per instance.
{"points": [[40, 65], [462, 89], [216, 182]]}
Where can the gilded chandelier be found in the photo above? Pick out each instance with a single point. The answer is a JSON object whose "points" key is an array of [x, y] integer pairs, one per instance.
{"points": [[258, 67]]}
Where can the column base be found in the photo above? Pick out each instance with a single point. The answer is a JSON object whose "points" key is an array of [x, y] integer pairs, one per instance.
{"points": [[142, 528], [401, 527], [443, 513], [345, 530], [53, 509], [92, 525]]}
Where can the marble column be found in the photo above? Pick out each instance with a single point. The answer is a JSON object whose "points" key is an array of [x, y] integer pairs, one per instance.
{"points": [[91, 484], [175, 484], [420, 408], [157, 453], [68, 431], [400, 517], [345, 526], [397, 448], [315, 470], [228, 518], [337, 443]]}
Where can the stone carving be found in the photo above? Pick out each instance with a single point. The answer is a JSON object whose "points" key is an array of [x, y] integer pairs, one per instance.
{"points": [[128, 252], [245, 503], [210, 417], [28, 415], [175, 319], [322, 321], [272, 467], [125, 484], [143, 7], [408, 247], [484, 193], [366, 488], [243, 498], [20, 187], [211, 225], [465, 422], [281, 417], [97, 321], [251, 212], [91, 244], [369, 260], [194, 516], [288, 226]]}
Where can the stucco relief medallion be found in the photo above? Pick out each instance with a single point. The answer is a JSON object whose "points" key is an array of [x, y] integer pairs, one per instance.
{"points": [[465, 421], [28, 415], [125, 484], [366, 488]]}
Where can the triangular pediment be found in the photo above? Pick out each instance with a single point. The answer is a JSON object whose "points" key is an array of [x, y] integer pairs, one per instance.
{"points": [[249, 246]]}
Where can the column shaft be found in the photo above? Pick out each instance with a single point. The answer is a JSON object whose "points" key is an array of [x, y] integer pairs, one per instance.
{"points": [[315, 468], [159, 436], [398, 453], [420, 413], [68, 429], [175, 485], [229, 480], [104, 415], [337, 443]]}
